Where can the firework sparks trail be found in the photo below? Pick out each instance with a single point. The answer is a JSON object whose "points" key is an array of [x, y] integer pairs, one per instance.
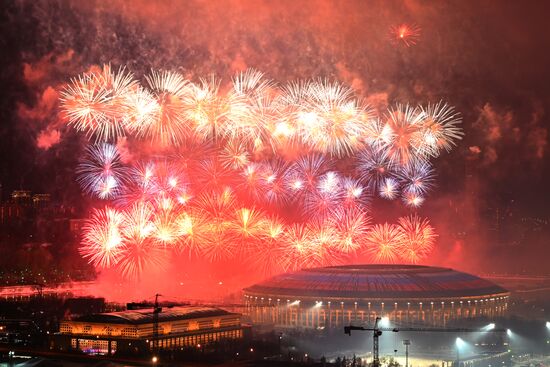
{"points": [[375, 167], [417, 178], [403, 126], [267, 253], [97, 102], [418, 238], [101, 172], [385, 242], [164, 121], [141, 251], [439, 128], [102, 243], [406, 34], [283, 176], [351, 226]]}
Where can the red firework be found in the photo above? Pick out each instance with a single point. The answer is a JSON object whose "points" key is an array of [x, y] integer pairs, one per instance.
{"points": [[406, 34], [213, 171]]}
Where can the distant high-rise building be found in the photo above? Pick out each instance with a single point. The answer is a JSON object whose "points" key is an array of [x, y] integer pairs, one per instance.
{"points": [[9, 212], [21, 197], [75, 226], [40, 201]]}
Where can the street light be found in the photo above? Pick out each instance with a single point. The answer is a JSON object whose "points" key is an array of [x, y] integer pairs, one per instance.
{"points": [[280, 342], [154, 360], [459, 344]]}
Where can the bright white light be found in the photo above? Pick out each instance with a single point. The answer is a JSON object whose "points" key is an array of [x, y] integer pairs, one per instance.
{"points": [[508, 332], [460, 343], [548, 324], [318, 304], [385, 321], [491, 326]]}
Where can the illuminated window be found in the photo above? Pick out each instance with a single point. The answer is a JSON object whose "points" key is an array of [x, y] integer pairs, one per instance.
{"points": [[65, 328], [130, 332]]}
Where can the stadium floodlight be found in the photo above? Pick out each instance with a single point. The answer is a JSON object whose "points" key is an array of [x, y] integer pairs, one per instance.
{"points": [[385, 321]]}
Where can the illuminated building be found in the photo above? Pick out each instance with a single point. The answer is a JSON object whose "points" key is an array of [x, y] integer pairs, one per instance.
{"points": [[10, 212], [340, 295], [21, 197], [132, 331], [41, 201]]}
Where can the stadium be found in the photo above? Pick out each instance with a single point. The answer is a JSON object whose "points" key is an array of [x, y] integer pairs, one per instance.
{"points": [[330, 297]]}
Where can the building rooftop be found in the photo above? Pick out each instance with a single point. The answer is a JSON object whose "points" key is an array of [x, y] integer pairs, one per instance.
{"points": [[376, 282], [145, 316]]}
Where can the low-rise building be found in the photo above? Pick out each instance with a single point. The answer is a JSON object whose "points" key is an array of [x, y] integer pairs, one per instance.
{"points": [[133, 331]]}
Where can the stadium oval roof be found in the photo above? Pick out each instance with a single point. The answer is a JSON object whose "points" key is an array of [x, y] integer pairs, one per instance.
{"points": [[376, 282], [145, 316]]}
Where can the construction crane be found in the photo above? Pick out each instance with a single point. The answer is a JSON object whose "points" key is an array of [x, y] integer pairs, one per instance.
{"points": [[406, 343], [377, 332], [156, 311]]}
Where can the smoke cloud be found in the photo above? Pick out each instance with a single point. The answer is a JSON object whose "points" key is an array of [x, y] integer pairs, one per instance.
{"points": [[456, 59]]}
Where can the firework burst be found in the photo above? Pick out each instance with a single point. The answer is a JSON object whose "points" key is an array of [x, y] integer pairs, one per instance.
{"points": [[165, 122], [102, 242], [389, 189], [418, 238], [406, 34], [330, 120], [385, 241], [351, 225], [417, 177], [101, 172], [282, 177], [439, 129], [96, 102], [402, 129], [375, 167]]}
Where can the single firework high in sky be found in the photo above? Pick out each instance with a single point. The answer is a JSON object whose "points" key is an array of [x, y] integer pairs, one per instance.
{"points": [[281, 177], [405, 34]]}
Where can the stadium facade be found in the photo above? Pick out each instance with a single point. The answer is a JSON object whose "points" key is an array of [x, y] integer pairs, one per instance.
{"points": [[132, 331], [330, 297]]}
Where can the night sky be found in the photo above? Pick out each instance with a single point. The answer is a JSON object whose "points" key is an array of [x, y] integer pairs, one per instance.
{"points": [[489, 59]]}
